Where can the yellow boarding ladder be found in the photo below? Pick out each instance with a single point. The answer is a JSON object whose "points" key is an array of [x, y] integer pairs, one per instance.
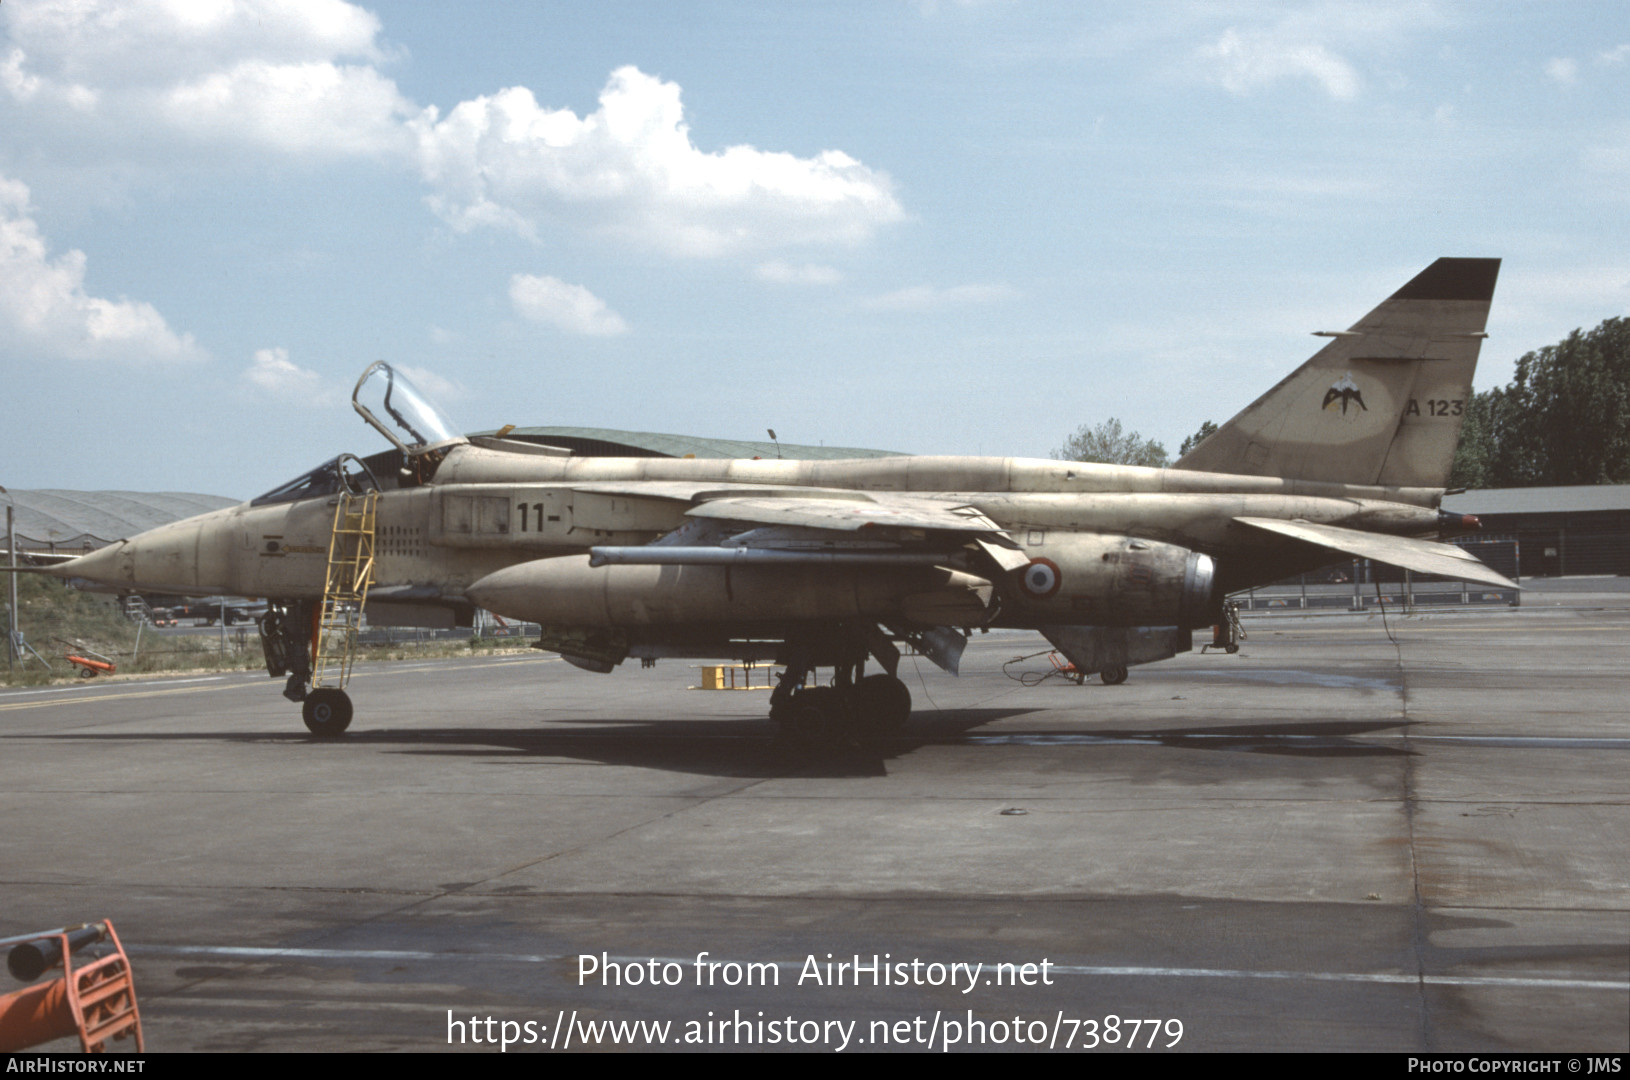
{"points": [[345, 590]]}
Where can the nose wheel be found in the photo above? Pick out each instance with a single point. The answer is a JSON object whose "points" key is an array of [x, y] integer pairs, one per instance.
{"points": [[327, 711]]}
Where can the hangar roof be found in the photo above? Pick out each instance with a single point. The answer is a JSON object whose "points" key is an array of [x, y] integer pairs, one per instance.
{"points": [[1582, 498], [605, 442], [72, 519]]}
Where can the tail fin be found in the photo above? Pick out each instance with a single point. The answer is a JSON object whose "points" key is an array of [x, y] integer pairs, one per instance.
{"points": [[1382, 403]]}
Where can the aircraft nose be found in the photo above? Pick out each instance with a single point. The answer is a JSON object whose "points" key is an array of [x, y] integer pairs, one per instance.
{"points": [[105, 566], [165, 559]]}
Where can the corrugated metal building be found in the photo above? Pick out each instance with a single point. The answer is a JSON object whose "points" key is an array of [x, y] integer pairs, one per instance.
{"points": [[1550, 531], [51, 520]]}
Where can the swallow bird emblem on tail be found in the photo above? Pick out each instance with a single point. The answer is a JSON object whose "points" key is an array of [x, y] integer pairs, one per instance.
{"points": [[1344, 390]]}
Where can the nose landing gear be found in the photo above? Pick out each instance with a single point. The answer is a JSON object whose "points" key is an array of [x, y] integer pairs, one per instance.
{"points": [[315, 642], [327, 711]]}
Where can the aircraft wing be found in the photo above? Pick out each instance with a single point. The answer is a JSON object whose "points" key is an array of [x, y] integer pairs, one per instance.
{"points": [[1422, 556], [816, 508], [702, 491], [790, 527], [835, 509], [849, 515]]}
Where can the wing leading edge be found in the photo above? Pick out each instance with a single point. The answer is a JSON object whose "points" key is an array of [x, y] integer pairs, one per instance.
{"points": [[846, 515]]}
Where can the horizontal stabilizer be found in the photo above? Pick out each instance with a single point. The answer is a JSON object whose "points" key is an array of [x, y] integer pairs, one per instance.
{"points": [[1421, 556]]}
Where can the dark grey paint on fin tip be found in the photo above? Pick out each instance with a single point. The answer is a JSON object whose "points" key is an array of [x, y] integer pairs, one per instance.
{"points": [[1453, 279]]}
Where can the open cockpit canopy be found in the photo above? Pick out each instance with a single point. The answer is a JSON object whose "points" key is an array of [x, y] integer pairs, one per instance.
{"points": [[398, 410]]}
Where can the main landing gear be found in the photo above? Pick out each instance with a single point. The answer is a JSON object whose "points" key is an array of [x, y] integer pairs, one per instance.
{"points": [[855, 711], [1227, 634]]}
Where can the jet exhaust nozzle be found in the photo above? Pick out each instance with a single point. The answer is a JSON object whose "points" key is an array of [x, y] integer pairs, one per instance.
{"points": [[1451, 524]]}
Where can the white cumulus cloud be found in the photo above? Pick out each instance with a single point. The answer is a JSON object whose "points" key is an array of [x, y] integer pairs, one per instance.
{"points": [[1563, 70], [631, 168], [124, 43], [1248, 60], [1320, 44], [571, 308], [309, 108], [174, 80], [17, 82], [273, 372], [45, 311], [290, 75]]}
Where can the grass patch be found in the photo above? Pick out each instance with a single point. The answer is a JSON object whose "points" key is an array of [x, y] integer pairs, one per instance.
{"points": [[51, 614]]}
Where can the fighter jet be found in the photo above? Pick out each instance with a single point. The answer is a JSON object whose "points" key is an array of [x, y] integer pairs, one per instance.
{"points": [[835, 564]]}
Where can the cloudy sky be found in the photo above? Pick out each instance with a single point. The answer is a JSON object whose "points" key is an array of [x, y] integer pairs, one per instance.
{"points": [[939, 227]]}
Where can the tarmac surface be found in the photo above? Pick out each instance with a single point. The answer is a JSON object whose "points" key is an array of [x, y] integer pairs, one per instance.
{"points": [[1350, 836]]}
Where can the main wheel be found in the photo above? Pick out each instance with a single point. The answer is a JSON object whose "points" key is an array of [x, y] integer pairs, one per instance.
{"points": [[883, 703], [327, 711], [814, 717], [1113, 676]]}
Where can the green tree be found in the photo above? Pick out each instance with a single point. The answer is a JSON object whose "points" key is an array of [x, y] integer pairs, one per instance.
{"points": [[1472, 466], [1207, 430], [1563, 419], [1110, 444]]}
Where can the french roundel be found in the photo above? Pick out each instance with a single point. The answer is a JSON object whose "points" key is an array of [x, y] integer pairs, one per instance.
{"points": [[1041, 578]]}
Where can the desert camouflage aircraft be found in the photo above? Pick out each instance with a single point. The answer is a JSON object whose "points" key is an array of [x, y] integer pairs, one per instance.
{"points": [[833, 563]]}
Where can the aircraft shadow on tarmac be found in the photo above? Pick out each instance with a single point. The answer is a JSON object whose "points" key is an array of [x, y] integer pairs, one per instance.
{"points": [[726, 749], [1319, 738], [748, 749]]}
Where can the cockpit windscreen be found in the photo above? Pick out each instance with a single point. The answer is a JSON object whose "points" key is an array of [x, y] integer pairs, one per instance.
{"points": [[344, 473]]}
